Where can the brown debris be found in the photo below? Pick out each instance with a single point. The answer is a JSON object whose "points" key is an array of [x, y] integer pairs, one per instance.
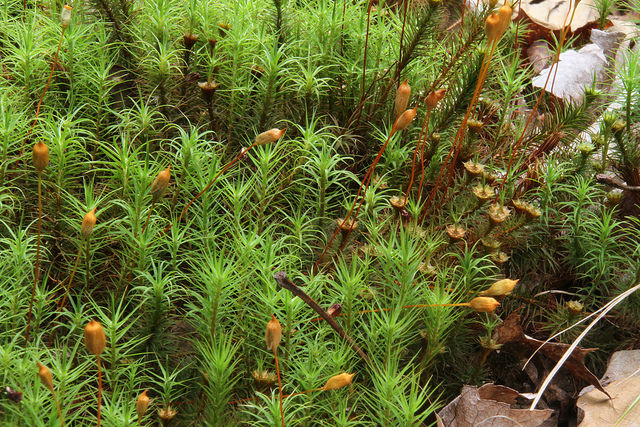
{"points": [[510, 331]]}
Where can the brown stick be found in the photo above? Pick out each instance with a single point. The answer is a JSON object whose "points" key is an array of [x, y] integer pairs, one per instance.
{"points": [[615, 182], [284, 282]]}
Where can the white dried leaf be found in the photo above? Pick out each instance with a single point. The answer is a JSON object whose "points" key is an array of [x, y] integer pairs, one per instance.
{"points": [[575, 72]]}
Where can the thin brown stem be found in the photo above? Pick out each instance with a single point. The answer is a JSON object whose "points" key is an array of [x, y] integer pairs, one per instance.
{"points": [[356, 114], [515, 47], [73, 273], [424, 142], [66, 292], [53, 67], [153, 203], [404, 22], [275, 355], [36, 271], [366, 46], [421, 142], [99, 387], [344, 10], [365, 183], [55, 399], [460, 134], [474, 101], [215, 178]]}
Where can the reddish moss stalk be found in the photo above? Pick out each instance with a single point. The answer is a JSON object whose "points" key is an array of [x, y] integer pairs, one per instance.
{"points": [[215, 178], [422, 139], [455, 146], [275, 354], [36, 271], [365, 184], [99, 387], [53, 67], [379, 310]]}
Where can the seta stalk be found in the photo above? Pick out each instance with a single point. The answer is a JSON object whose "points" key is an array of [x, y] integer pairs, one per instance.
{"points": [[40, 162]]}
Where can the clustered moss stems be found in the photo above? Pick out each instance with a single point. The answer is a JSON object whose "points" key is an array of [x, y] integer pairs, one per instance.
{"points": [[556, 58], [495, 26], [184, 292], [266, 137], [41, 160], [88, 223], [158, 188], [403, 118]]}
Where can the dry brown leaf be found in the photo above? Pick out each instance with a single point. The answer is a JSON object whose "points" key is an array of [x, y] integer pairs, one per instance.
{"points": [[511, 331], [490, 405], [553, 14], [598, 411]]}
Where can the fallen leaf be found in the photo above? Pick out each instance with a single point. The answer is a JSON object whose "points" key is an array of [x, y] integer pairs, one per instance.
{"points": [[622, 364], [511, 331], [597, 411], [554, 14], [490, 405], [573, 73]]}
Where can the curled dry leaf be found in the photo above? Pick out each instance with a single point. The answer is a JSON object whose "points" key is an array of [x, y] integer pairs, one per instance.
{"points": [[491, 405], [553, 14], [510, 331]]}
